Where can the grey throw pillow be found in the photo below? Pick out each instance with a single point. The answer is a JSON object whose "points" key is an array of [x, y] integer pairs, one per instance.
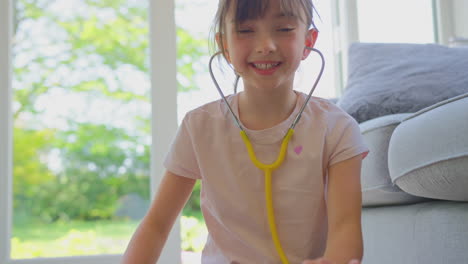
{"points": [[388, 78]]}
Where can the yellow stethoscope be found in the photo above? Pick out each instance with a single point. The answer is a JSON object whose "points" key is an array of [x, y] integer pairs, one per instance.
{"points": [[268, 168]]}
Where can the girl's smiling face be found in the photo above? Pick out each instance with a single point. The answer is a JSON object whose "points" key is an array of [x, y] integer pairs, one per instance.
{"points": [[266, 51]]}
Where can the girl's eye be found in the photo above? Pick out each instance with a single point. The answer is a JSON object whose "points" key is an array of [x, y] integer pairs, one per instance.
{"points": [[286, 29], [243, 31]]}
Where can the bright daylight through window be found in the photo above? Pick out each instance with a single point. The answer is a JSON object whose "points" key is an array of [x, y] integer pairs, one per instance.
{"points": [[81, 109]]}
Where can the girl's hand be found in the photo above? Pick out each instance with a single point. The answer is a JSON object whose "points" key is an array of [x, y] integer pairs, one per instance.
{"points": [[324, 261]]}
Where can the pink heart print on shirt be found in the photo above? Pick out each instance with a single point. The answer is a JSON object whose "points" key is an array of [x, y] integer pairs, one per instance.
{"points": [[298, 150]]}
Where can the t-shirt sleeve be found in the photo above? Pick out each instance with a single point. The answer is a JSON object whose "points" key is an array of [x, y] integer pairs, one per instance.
{"points": [[181, 158], [344, 139]]}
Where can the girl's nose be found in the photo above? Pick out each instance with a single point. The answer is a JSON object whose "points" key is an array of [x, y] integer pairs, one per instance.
{"points": [[265, 45]]}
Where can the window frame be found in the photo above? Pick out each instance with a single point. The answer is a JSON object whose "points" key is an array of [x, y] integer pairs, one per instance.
{"points": [[346, 31], [443, 14], [164, 125], [5, 129]]}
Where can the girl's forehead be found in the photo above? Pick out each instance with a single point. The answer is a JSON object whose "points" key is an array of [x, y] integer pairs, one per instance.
{"points": [[277, 16], [242, 10]]}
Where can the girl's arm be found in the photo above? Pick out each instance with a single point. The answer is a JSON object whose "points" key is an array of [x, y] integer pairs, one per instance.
{"points": [[149, 238], [344, 203], [344, 241]]}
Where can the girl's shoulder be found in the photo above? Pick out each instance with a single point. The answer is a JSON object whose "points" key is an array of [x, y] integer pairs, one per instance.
{"points": [[319, 105], [208, 112], [326, 111]]}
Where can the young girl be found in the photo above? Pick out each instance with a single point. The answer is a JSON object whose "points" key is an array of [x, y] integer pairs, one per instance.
{"points": [[316, 190]]}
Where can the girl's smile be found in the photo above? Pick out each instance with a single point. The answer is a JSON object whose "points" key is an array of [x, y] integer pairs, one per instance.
{"points": [[265, 67]]}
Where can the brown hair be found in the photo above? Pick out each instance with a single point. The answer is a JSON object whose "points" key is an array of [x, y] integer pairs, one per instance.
{"points": [[252, 9]]}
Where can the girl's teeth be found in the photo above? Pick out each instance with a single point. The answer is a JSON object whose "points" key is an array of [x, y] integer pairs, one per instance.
{"points": [[265, 66]]}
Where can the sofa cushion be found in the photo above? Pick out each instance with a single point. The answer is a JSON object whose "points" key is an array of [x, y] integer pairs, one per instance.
{"points": [[425, 233], [389, 78], [377, 186], [428, 152]]}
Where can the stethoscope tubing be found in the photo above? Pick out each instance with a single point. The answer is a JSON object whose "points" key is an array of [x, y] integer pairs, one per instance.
{"points": [[236, 120]]}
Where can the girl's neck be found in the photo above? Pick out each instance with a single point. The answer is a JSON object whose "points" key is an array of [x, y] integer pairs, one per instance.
{"points": [[262, 109]]}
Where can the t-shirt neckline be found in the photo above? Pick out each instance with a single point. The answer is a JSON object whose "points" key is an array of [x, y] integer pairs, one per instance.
{"points": [[269, 135]]}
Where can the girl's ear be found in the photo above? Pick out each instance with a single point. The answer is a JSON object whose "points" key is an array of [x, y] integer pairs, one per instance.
{"points": [[222, 45], [311, 38]]}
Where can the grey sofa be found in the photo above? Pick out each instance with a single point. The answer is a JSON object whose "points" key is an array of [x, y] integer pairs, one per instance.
{"points": [[415, 186], [415, 178]]}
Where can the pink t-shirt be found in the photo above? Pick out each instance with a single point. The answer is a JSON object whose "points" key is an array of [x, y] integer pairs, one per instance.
{"points": [[208, 147]]}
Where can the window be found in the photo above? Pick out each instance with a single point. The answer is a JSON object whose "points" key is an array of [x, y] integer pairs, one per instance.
{"points": [[76, 71], [396, 21], [81, 127]]}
